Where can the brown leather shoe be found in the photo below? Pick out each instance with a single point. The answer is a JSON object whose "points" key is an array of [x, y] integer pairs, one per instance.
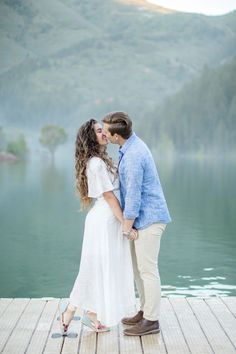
{"points": [[143, 327], [133, 320]]}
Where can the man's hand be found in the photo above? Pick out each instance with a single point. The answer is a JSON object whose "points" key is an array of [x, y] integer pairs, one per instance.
{"points": [[133, 235]]}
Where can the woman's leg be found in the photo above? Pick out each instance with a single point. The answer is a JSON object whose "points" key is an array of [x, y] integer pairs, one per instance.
{"points": [[68, 314]]}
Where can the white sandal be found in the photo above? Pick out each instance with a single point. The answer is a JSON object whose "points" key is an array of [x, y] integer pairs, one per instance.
{"points": [[87, 321]]}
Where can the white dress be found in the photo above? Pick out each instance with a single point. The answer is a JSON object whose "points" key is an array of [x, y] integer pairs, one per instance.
{"points": [[105, 282]]}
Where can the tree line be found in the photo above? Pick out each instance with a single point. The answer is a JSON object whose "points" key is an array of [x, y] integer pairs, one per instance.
{"points": [[200, 118], [51, 136]]}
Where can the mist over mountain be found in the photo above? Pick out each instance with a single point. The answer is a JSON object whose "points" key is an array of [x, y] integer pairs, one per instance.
{"points": [[63, 61]]}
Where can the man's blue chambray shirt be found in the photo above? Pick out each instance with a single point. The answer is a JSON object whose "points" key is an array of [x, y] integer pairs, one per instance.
{"points": [[141, 193]]}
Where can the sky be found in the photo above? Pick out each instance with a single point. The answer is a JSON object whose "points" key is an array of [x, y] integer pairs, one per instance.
{"points": [[207, 7]]}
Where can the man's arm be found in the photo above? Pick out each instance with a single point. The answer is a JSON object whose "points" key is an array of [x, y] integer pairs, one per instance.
{"points": [[133, 170]]}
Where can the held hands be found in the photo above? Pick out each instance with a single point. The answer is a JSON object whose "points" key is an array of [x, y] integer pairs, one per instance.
{"points": [[132, 235]]}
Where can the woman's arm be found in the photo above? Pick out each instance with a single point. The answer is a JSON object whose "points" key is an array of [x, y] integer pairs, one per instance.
{"points": [[114, 205], [117, 211]]}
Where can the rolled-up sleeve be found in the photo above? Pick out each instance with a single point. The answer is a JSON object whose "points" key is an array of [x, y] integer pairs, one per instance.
{"points": [[133, 175]]}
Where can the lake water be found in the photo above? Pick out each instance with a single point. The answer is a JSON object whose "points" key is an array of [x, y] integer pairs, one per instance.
{"points": [[41, 228]]}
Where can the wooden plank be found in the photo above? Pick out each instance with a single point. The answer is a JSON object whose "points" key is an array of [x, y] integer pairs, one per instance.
{"points": [[42, 330], [9, 319], [55, 340], [153, 344], [230, 302], [129, 344], [224, 316], [72, 342], [20, 337], [188, 325], [215, 334], [88, 341], [193, 334], [171, 331], [4, 303], [108, 342]]}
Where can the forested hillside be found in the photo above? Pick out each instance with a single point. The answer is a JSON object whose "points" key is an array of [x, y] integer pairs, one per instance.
{"points": [[63, 61], [200, 118]]}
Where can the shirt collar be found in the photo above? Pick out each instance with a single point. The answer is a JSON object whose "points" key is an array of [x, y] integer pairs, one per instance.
{"points": [[127, 144]]}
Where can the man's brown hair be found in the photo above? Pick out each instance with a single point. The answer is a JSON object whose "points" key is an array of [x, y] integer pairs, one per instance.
{"points": [[119, 123]]}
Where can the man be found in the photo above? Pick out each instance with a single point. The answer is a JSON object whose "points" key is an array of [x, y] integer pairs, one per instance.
{"points": [[144, 209]]}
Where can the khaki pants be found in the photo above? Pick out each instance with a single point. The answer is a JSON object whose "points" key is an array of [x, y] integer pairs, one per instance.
{"points": [[145, 252]]}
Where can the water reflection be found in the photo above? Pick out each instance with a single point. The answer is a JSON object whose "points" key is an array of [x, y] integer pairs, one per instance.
{"points": [[53, 178], [41, 228], [201, 239], [16, 171], [207, 288]]}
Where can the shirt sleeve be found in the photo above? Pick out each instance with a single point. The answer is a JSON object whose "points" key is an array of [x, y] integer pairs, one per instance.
{"points": [[98, 178], [134, 183]]}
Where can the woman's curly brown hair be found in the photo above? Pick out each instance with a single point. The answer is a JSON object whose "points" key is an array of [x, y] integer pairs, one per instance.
{"points": [[86, 146]]}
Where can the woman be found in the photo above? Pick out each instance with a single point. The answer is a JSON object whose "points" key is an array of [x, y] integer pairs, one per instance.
{"points": [[104, 287]]}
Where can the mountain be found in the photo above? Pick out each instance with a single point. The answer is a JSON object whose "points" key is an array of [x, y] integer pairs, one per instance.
{"points": [[201, 118], [145, 5], [63, 61]]}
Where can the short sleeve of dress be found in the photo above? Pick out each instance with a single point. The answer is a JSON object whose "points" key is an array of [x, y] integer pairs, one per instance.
{"points": [[99, 180]]}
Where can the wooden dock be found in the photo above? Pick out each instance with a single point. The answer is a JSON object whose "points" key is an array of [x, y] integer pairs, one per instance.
{"points": [[188, 325]]}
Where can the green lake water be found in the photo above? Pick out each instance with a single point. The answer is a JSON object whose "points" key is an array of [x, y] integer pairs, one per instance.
{"points": [[41, 228]]}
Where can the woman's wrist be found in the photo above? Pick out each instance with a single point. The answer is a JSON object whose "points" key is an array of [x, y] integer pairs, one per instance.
{"points": [[126, 232]]}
